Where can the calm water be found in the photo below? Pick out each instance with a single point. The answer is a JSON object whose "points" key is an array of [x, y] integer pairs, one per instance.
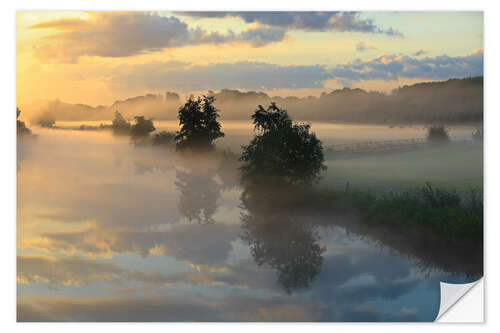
{"points": [[110, 232]]}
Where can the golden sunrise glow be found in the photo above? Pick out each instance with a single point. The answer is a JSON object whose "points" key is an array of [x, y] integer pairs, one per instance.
{"points": [[57, 60]]}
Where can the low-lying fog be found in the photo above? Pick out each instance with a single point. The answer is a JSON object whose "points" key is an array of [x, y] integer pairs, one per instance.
{"points": [[112, 232]]}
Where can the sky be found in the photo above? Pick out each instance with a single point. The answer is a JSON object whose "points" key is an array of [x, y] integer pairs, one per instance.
{"points": [[96, 58]]}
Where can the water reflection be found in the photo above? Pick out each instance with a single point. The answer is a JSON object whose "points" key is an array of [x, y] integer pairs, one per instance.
{"points": [[199, 192], [280, 227], [278, 237], [86, 253]]}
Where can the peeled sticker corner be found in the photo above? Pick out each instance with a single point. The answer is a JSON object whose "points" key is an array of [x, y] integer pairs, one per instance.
{"points": [[452, 294]]}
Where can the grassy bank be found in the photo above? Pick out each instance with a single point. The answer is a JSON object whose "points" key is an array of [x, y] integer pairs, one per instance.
{"points": [[440, 229], [450, 215]]}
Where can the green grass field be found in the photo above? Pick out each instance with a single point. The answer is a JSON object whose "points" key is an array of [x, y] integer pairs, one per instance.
{"points": [[454, 166]]}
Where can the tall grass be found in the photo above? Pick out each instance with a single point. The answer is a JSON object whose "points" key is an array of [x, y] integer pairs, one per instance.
{"points": [[446, 213]]}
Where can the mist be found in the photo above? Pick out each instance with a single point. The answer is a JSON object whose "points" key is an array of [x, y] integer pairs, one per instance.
{"points": [[450, 102], [122, 222]]}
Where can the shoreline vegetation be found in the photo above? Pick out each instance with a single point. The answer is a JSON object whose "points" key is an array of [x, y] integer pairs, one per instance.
{"points": [[411, 224], [280, 166]]}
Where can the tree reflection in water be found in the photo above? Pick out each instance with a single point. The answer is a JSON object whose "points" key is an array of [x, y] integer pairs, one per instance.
{"points": [[278, 237], [199, 194]]}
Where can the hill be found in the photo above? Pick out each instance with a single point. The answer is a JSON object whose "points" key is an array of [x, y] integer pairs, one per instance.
{"points": [[451, 101]]}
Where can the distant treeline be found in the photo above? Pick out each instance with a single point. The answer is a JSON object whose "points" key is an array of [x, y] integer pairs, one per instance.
{"points": [[451, 101]]}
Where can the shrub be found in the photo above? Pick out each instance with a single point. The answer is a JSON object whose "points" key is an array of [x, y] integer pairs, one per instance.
{"points": [[142, 127], [437, 134], [163, 138]]}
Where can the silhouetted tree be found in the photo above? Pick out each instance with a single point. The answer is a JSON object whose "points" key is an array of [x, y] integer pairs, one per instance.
{"points": [[282, 150], [120, 125], [437, 134], [21, 126], [140, 131], [199, 124], [142, 126]]}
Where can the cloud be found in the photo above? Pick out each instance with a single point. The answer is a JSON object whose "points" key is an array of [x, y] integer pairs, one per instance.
{"points": [[62, 24], [419, 53], [409, 310], [309, 21], [74, 271], [266, 76], [128, 34], [78, 271], [371, 314], [338, 300], [243, 75], [209, 244], [362, 46], [167, 308], [262, 36], [393, 67]]}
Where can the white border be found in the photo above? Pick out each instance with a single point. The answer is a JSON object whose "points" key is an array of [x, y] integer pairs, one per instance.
{"points": [[8, 172]]}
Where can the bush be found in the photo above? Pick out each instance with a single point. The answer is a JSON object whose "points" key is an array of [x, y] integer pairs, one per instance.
{"points": [[163, 138], [142, 127], [437, 134]]}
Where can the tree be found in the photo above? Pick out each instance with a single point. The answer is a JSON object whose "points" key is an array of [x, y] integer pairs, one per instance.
{"points": [[21, 126], [437, 134], [199, 124], [142, 127], [282, 150], [120, 125]]}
